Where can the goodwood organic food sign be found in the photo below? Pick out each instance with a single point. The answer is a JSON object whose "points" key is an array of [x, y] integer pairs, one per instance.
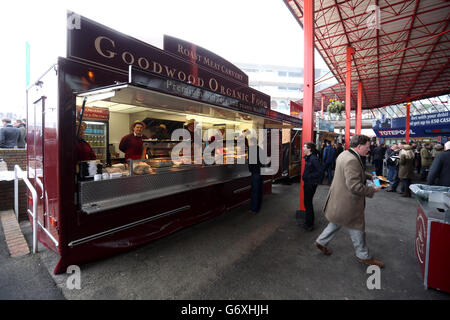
{"points": [[92, 42], [204, 58]]}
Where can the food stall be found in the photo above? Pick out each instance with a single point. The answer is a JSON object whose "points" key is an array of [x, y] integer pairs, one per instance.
{"points": [[89, 210]]}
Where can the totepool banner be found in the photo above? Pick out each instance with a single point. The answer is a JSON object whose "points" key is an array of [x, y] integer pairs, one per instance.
{"points": [[424, 125]]}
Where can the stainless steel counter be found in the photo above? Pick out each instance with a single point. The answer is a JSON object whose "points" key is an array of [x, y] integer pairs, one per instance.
{"points": [[97, 196]]}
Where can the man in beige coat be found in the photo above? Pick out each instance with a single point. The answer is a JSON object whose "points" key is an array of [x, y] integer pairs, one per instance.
{"points": [[346, 200]]}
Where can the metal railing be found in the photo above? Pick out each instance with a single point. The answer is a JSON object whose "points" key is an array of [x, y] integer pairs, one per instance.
{"points": [[19, 174]]}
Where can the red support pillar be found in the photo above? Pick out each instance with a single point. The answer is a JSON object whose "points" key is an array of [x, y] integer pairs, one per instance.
{"points": [[408, 106], [359, 110], [308, 86], [348, 100]]}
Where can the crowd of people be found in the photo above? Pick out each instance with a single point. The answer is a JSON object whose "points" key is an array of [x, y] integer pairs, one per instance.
{"points": [[13, 134], [427, 160], [345, 203], [327, 155], [400, 159]]}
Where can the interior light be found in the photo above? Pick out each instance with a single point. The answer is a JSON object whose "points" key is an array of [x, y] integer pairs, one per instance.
{"points": [[100, 96], [211, 120]]}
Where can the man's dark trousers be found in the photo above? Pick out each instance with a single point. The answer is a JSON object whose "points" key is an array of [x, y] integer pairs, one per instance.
{"points": [[379, 167], [396, 181], [257, 191], [328, 169], [309, 191]]}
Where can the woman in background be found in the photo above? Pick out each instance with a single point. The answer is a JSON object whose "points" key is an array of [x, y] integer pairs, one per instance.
{"points": [[406, 168]]}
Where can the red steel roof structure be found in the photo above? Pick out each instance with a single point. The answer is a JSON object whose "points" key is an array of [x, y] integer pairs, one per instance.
{"points": [[402, 48]]}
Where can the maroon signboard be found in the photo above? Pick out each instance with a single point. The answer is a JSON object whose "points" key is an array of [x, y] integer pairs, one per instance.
{"points": [[296, 110], [89, 41], [204, 58], [94, 113]]}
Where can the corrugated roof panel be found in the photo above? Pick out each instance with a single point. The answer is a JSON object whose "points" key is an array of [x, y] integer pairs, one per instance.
{"points": [[401, 53]]}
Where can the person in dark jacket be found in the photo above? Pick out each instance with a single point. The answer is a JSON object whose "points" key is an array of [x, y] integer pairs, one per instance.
{"points": [[254, 166], [9, 135], [311, 177], [339, 149], [373, 145], [320, 153], [417, 159], [390, 155], [328, 160], [392, 161], [440, 168], [23, 132], [378, 156]]}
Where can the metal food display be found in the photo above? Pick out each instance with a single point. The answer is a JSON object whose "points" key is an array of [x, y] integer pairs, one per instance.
{"points": [[97, 196]]}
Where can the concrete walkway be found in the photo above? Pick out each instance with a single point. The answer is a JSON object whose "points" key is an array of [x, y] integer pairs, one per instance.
{"points": [[24, 277], [244, 256]]}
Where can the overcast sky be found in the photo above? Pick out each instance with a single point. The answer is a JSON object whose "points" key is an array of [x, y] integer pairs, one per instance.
{"points": [[240, 31]]}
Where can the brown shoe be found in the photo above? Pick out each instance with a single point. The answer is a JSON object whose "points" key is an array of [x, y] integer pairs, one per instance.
{"points": [[371, 261], [324, 250], [251, 212]]}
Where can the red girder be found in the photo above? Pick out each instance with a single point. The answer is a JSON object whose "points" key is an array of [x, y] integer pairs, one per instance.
{"points": [[403, 83], [400, 2], [349, 44], [367, 66], [339, 92], [408, 56], [403, 73], [432, 82], [385, 57], [401, 9], [386, 22], [428, 58], [378, 65], [338, 89], [396, 71], [431, 94], [391, 43], [301, 24]]}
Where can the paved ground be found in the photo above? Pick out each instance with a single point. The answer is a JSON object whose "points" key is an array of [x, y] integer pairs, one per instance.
{"points": [[25, 277], [242, 256]]}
